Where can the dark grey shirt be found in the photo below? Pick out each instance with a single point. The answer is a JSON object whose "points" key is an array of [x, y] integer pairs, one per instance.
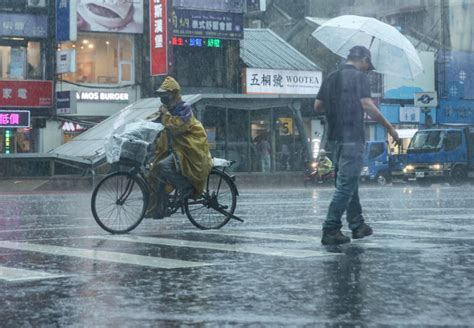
{"points": [[341, 93]]}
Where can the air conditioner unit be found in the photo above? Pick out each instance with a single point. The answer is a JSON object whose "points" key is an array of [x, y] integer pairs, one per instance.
{"points": [[37, 3], [256, 23]]}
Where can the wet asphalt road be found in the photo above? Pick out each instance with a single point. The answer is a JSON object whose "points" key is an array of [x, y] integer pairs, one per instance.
{"points": [[59, 269]]}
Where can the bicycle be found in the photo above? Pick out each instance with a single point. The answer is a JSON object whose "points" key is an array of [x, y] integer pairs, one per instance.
{"points": [[120, 200]]}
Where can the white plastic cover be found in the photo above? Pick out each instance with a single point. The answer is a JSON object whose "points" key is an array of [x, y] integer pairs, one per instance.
{"points": [[220, 162], [131, 141]]}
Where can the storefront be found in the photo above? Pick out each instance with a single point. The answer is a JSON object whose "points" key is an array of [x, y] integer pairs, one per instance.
{"points": [[273, 67], [106, 58], [26, 97]]}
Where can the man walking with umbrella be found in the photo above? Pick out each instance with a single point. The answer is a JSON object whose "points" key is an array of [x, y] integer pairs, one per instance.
{"points": [[345, 96]]}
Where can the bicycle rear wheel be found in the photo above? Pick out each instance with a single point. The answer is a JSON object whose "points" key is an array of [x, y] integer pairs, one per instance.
{"points": [[119, 202], [219, 196]]}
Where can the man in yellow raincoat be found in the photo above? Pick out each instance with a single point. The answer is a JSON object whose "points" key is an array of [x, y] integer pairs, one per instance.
{"points": [[182, 150]]}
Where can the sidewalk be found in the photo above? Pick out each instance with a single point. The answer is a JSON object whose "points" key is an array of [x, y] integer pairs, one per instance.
{"points": [[79, 183]]}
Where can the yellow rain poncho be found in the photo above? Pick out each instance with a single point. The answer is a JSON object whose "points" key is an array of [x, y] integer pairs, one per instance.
{"points": [[187, 138]]}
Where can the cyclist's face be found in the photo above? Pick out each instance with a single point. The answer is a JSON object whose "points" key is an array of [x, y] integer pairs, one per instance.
{"points": [[167, 99]]}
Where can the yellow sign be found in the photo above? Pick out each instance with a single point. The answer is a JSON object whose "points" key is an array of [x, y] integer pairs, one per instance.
{"points": [[286, 126]]}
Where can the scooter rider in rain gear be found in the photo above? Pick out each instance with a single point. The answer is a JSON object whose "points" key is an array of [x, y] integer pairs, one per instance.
{"points": [[182, 151]]}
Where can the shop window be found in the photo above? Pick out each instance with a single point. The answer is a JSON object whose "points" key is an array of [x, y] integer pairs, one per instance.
{"points": [[20, 60], [102, 59]]}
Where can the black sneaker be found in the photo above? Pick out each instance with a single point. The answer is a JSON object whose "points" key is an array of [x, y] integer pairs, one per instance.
{"points": [[334, 237], [362, 231]]}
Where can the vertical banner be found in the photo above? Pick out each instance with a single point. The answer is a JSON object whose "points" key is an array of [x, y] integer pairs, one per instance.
{"points": [[158, 38], [66, 20]]}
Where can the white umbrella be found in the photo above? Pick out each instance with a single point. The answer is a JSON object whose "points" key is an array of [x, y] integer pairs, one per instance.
{"points": [[392, 52]]}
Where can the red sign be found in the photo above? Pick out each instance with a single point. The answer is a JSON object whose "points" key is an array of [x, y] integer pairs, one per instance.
{"points": [[158, 38], [26, 94]]}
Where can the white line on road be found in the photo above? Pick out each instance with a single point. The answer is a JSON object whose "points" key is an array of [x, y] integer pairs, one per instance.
{"points": [[12, 274], [296, 253], [124, 258], [262, 235]]}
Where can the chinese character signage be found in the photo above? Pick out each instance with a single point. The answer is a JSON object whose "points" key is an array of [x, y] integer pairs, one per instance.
{"points": [[409, 114], [158, 38], [208, 24], [32, 26], [14, 119], [66, 20], [123, 16], [26, 93], [269, 81], [256, 5], [455, 111], [217, 5]]}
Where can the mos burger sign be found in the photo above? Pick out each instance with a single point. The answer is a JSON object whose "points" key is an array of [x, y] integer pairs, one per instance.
{"points": [[103, 96]]}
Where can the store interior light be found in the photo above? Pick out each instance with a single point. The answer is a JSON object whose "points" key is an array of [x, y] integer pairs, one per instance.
{"points": [[85, 41], [90, 46]]}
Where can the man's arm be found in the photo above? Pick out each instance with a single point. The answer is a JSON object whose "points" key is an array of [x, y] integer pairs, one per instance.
{"points": [[375, 114]]}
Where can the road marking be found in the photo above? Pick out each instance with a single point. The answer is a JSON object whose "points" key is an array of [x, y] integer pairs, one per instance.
{"points": [[123, 258], [262, 235], [12, 274], [296, 253]]}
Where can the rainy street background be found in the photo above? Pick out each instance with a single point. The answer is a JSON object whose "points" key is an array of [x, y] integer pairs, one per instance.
{"points": [[59, 269]]}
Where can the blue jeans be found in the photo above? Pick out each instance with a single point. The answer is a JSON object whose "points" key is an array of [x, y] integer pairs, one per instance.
{"points": [[348, 161]]}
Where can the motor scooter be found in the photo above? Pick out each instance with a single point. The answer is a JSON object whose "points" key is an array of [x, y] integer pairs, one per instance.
{"points": [[311, 175]]}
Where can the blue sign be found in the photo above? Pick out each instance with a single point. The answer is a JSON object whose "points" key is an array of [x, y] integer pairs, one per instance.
{"points": [[217, 5], [208, 24], [31, 26], [66, 20], [458, 81], [456, 111]]}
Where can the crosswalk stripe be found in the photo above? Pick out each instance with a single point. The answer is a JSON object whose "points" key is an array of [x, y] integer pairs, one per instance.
{"points": [[12, 274], [295, 253], [124, 258], [262, 235]]}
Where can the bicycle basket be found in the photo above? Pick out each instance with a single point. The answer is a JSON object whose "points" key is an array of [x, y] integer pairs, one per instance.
{"points": [[133, 143]]}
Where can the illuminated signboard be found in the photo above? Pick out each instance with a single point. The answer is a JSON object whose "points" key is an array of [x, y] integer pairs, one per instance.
{"points": [[196, 42], [14, 118], [103, 96]]}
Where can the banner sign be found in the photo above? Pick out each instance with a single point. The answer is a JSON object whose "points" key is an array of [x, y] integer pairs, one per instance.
{"points": [[270, 81], [208, 24], [31, 26], [26, 93], [158, 38], [66, 20], [217, 5], [119, 16], [14, 118]]}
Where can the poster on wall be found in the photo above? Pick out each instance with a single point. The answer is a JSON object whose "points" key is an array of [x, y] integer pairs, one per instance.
{"points": [[122, 16]]}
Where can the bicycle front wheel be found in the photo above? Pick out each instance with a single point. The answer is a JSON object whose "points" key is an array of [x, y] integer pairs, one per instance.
{"points": [[119, 202], [219, 198]]}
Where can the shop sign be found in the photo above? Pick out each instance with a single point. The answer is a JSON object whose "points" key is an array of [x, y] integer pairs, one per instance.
{"points": [[217, 5], [158, 38], [410, 114], [208, 24], [30, 26], [12, 4], [455, 111], [66, 102], [14, 118], [66, 61], [102, 96], [26, 93], [269, 81], [118, 16], [66, 20]]}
